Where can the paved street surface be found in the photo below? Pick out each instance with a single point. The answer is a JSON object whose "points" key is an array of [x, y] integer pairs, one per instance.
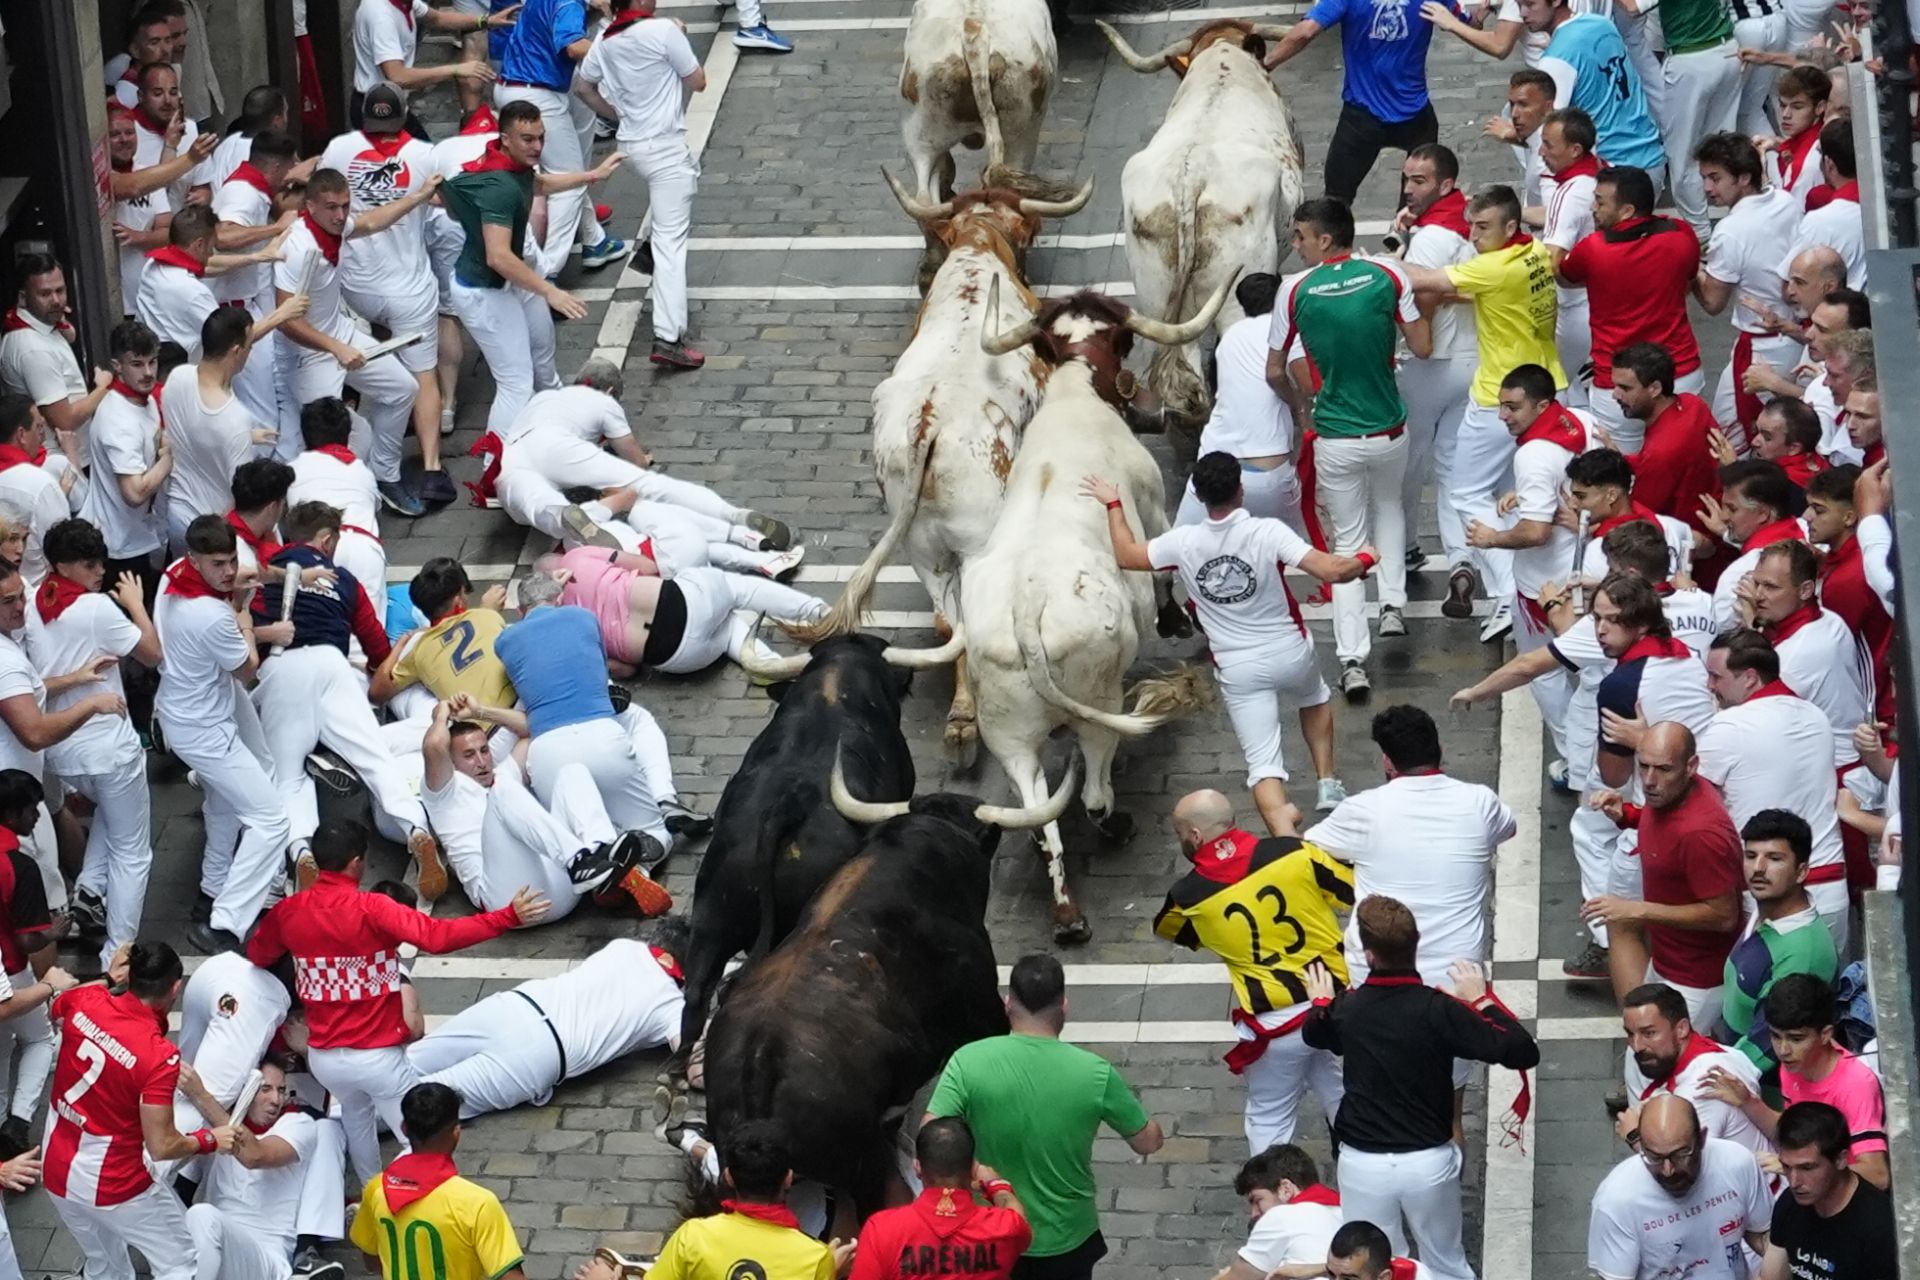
{"points": [[802, 276]]}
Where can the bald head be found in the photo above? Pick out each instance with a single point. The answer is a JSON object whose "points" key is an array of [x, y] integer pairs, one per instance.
{"points": [[1666, 764], [1667, 740], [1209, 813], [1668, 1121]]}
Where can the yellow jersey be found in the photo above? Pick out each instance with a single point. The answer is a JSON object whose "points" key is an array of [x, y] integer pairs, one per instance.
{"points": [[457, 1231], [1515, 307], [727, 1246], [456, 655], [1265, 907]]}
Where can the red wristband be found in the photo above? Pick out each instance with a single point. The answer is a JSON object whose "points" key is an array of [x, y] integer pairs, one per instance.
{"points": [[203, 1139], [994, 1188], [1114, 505], [1366, 563]]}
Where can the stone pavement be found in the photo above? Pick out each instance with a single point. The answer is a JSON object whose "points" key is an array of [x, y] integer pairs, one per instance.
{"points": [[798, 329]]}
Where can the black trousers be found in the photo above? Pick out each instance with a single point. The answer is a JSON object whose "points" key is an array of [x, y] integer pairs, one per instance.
{"points": [[1358, 139], [1075, 1264]]}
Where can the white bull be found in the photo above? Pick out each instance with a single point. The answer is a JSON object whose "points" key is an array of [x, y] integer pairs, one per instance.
{"points": [[976, 73], [947, 421], [1204, 203], [1053, 623]]}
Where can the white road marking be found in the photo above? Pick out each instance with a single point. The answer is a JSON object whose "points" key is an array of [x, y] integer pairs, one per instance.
{"points": [[906, 243]]}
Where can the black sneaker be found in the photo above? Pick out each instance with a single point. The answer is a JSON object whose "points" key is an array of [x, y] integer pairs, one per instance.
{"points": [[1590, 963], [330, 771], [620, 696], [322, 1269], [15, 1137], [202, 909], [210, 941], [436, 488], [1459, 601], [591, 868], [400, 500], [775, 535], [1416, 558], [677, 355], [87, 913], [683, 821]]}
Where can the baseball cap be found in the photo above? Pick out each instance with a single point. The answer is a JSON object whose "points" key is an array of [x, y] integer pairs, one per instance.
{"points": [[384, 110]]}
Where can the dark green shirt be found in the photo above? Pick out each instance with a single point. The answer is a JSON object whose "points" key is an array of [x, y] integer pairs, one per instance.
{"points": [[1690, 25], [497, 197]]}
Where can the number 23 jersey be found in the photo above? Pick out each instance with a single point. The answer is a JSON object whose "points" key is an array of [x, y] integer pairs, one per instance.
{"points": [[112, 1059], [1266, 908]]}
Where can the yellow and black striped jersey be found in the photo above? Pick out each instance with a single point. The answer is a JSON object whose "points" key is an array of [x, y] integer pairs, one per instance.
{"points": [[1265, 907]]}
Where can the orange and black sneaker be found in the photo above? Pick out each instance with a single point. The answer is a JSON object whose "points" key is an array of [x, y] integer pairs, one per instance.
{"points": [[433, 870]]}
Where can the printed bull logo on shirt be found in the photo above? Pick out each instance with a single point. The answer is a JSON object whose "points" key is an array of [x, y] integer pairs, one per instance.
{"points": [[1225, 580], [1389, 20], [378, 179]]}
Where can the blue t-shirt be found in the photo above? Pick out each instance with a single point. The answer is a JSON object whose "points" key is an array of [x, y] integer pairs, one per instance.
{"points": [[1607, 88], [1385, 44], [537, 43], [558, 666]]}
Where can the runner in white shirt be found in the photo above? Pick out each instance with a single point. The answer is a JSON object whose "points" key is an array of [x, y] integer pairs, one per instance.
{"points": [[1743, 265], [1667, 1055], [331, 347], [1600, 483], [1752, 513], [1695, 1214], [1769, 748], [82, 628], [329, 471], [386, 276], [209, 430], [1293, 1215], [245, 205], [37, 357], [1234, 568], [1821, 659], [148, 41], [153, 117], [514, 1047], [386, 36], [1248, 420], [1837, 223], [262, 110], [1566, 198], [131, 459], [26, 483]]}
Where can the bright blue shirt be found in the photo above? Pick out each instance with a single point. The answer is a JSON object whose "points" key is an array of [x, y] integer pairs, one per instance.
{"points": [[537, 43], [1384, 43], [557, 665], [1608, 89]]}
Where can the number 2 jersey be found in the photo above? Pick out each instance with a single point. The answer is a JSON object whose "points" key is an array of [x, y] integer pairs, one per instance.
{"points": [[113, 1057], [1265, 907]]}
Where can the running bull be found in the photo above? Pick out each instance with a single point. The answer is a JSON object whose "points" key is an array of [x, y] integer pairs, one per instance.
{"points": [[976, 73]]}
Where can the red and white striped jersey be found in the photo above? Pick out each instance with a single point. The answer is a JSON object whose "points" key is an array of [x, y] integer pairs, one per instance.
{"points": [[112, 1058]]}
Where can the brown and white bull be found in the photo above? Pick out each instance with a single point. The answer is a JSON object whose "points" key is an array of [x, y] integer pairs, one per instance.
{"points": [[1052, 623], [947, 421], [976, 73], [1203, 202]]}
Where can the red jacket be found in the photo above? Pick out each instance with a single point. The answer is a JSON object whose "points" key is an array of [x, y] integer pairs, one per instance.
{"points": [[1844, 590], [346, 956], [1675, 465], [945, 1232]]}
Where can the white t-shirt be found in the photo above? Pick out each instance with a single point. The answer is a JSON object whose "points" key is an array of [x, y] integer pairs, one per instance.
{"points": [[382, 33], [151, 146], [202, 647], [1290, 1234], [245, 205], [17, 676], [1455, 336], [583, 412], [175, 304], [458, 815], [93, 624], [207, 445], [378, 173], [37, 362], [1539, 475], [36, 491], [640, 71], [350, 486], [122, 440], [1776, 752], [1248, 420], [302, 262], [614, 1002], [1234, 570], [1569, 219], [1745, 251], [1825, 663], [137, 213], [1640, 1232], [265, 1202], [233, 151], [1427, 840], [1688, 1081], [1835, 224]]}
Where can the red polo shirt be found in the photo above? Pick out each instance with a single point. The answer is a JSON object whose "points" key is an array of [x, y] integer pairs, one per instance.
{"points": [[1675, 464], [1690, 853], [1638, 274]]}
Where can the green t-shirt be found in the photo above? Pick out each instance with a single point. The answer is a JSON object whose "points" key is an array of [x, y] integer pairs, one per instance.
{"points": [[1345, 312], [1688, 25], [502, 197], [1034, 1105]]}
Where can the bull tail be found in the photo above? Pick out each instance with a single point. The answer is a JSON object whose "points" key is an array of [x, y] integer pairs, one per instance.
{"points": [[782, 817], [1170, 374], [1155, 701], [844, 617], [973, 44]]}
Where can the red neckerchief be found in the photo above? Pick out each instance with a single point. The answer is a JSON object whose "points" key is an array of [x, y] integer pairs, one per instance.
{"points": [[1780, 632], [1801, 468], [245, 172], [1450, 212], [1793, 154], [1405, 1269], [138, 397], [494, 160], [1847, 191], [1556, 425], [386, 145], [121, 166], [481, 121], [1873, 453], [1787, 530], [663, 958], [406, 11], [264, 548], [145, 119], [184, 580], [1772, 689], [1315, 1194], [1655, 647], [777, 1214], [626, 18], [11, 457], [338, 451], [257, 1130], [13, 322], [1633, 512], [1697, 1045], [1819, 196], [328, 242], [1519, 239], [1225, 860], [1587, 166], [489, 450], [55, 594], [172, 255], [413, 1177]]}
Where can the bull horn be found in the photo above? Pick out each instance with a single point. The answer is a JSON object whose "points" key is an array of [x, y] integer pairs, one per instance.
{"points": [[995, 343], [927, 659], [866, 812], [1178, 335], [763, 669], [917, 209], [1058, 208], [1038, 815], [1268, 30], [1130, 56]]}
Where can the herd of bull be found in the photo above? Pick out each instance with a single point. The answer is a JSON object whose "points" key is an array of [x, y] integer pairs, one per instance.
{"points": [[862, 905]]}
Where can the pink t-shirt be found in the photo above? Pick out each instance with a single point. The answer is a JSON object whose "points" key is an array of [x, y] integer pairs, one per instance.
{"points": [[605, 590], [1854, 1090]]}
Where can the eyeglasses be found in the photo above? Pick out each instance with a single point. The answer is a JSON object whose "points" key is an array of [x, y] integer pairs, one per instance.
{"points": [[1657, 1160]]}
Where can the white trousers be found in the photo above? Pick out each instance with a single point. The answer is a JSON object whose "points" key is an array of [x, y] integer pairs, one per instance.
{"points": [[605, 748], [1805, 20], [1767, 34], [1435, 391], [497, 1054], [154, 1222], [1573, 342], [405, 308], [32, 1034], [309, 696], [1641, 34], [230, 1250], [1482, 470], [569, 141], [323, 1187], [9, 1260], [368, 1084], [241, 803], [387, 391], [1359, 488], [649, 746], [119, 847], [1422, 1186], [1553, 691], [712, 596], [1778, 353], [525, 843], [671, 174], [1595, 843], [1273, 493], [365, 557], [44, 848], [1254, 684], [748, 13], [536, 470], [514, 331], [686, 539], [1628, 434], [1277, 1079], [262, 389], [1701, 96]]}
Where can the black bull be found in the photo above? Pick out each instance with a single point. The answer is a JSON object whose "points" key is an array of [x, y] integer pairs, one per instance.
{"points": [[890, 971], [776, 826]]}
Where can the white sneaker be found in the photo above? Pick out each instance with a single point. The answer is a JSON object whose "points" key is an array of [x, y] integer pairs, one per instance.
{"points": [[1332, 792], [783, 562], [446, 421], [1498, 623]]}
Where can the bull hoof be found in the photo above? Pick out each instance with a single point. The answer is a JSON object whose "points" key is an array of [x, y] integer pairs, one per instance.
{"points": [[1114, 826], [1173, 623], [962, 738], [1072, 933]]}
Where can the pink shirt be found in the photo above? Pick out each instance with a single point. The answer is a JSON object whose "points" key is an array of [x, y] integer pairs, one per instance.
{"points": [[1854, 1090], [606, 591]]}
